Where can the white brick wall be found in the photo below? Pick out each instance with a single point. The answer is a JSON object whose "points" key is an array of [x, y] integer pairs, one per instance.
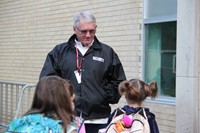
{"points": [[29, 29]]}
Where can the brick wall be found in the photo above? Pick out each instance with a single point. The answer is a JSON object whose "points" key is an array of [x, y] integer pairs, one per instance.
{"points": [[29, 29]]}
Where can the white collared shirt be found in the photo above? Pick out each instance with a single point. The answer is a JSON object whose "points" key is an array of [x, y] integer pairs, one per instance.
{"points": [[81, 48]]}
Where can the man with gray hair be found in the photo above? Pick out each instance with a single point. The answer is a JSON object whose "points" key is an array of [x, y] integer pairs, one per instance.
{"points": [[94, 69]]}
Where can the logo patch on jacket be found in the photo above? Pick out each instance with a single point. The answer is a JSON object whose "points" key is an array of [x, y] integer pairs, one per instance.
{"points": [[98, 59]]}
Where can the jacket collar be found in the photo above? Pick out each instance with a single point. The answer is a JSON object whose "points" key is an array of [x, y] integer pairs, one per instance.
{"points": [[130, 110], [96, 43]]}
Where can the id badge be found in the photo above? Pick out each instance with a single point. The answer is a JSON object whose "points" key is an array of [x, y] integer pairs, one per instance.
{"points": [[78, 76]]}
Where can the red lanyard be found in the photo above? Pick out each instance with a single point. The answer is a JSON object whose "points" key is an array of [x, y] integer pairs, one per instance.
{"points": [[78, 66]]}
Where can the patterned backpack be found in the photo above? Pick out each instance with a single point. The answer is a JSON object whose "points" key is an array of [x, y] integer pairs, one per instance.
{"points": [[34, 123], [132, 123]]}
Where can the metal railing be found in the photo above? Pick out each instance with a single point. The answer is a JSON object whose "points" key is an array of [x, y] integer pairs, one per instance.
{"points": [[15, 99]]}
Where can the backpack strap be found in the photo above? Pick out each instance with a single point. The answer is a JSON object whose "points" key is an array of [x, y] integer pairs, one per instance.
{"points": [[141, 117], [119, 111]]}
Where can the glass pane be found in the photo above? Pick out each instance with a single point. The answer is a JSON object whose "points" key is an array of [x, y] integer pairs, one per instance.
{"points": [[160, 56], [157, 8]]}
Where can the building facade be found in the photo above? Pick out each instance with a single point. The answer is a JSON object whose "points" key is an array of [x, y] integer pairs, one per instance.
{"points": [[155, 40]]}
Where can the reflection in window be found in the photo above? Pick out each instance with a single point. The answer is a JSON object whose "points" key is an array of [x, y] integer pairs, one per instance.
{"points": [[160, 56]]}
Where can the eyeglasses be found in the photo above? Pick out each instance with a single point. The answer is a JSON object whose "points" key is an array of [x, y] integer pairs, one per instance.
{"points": [[84, 32]]}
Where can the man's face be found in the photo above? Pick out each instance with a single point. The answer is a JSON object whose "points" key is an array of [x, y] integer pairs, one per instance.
{"points": [[85, 32]]}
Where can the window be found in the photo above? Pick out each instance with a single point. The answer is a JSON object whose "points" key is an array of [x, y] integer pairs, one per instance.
{"points": [[160, 45], [160, 56]]}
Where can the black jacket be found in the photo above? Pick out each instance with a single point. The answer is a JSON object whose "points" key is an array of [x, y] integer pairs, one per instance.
{"points": [[151, 117], [101, 73]]}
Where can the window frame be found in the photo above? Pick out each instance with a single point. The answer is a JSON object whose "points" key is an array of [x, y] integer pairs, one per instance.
{"points": [[154, 20]]}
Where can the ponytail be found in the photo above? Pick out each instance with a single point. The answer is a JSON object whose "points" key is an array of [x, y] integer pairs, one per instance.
{"points": [[153, 89]]}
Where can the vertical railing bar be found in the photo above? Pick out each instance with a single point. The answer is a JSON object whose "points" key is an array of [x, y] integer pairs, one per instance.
{"points": [[17, 94], [11, 96], [1, 102], [11, 99], [20, 99], [6, 101]]}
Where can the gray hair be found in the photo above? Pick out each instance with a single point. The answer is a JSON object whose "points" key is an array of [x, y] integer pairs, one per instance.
{"points": [[84, 16]]}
